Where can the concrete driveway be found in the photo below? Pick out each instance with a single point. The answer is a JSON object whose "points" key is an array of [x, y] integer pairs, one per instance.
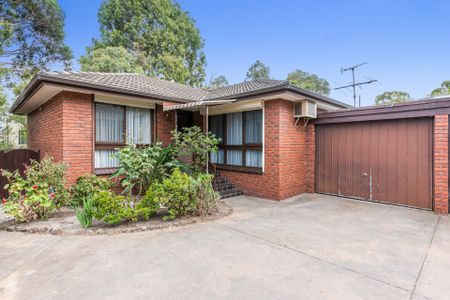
{"points": [[308, 247]]}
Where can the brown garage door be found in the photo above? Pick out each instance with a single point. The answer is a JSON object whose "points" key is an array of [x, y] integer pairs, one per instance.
{"points": [[385, 161]]}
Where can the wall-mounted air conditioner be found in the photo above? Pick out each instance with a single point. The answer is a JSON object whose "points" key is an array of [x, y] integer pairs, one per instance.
{"points": [[305, 109]]}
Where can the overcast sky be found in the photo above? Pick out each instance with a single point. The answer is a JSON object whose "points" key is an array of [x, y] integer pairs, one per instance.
{"points": [[405, 42]]}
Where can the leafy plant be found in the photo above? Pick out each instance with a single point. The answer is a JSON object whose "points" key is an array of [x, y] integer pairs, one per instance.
{"points": [[193, 141], [205, 195], [113, 209], [86, 186], [175, 193], [26, 203], [51, 173], [183, 195], [140, 166], [38, 192], [85, 214]]}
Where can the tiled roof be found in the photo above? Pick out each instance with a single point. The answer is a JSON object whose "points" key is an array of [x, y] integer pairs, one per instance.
{"points": [[144, 86], [245, 87], [133, 83]]}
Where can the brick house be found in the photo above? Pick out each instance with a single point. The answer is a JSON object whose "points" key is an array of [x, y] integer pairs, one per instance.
{"points": [[269, 146]]}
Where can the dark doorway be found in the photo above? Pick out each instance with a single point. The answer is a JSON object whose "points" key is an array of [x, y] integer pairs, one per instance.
{"points": [[184, 119]]}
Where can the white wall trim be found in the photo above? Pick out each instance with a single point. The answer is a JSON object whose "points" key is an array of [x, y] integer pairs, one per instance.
{"points": [[125, 101], [235, 107]]}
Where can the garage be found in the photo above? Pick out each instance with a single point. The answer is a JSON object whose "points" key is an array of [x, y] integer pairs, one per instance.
{"points": [[396, 154], [384, 161]]}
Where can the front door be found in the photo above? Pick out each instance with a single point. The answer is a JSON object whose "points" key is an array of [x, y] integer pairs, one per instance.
{"points": [[184, 119]]}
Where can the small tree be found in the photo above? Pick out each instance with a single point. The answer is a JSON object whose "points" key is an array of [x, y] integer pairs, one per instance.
{"points": [[193, 141], [218, 82], [258, 71], [444, 89], [392, 97], [310, 82]]}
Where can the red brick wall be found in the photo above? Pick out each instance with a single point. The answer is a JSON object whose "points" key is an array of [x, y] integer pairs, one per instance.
{"points": [[165, 123], [45, 128], [78, 134], [288, 156], [441, 164], [63, 128]]}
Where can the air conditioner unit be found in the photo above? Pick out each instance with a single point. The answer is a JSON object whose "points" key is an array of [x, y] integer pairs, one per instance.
{"points": [[305, 109]]}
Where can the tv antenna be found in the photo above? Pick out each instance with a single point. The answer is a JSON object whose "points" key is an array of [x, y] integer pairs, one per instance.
{"points": [[354, 83]]}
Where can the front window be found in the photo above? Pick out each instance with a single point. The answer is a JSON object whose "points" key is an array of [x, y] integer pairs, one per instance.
{"points": [[241, 139], [116, 124]]}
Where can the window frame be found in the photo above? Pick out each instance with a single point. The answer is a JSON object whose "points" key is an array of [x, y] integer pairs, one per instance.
{"points": [[244, 147], [104, 145]]}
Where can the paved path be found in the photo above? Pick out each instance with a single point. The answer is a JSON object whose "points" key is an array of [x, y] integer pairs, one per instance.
{"points": [[309, 247]]}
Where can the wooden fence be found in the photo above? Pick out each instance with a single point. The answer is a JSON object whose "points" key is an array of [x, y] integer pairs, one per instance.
{"points": [[12, 160]]}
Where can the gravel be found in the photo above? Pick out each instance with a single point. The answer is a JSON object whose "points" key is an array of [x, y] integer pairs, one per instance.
{"points": [[3, 216]]}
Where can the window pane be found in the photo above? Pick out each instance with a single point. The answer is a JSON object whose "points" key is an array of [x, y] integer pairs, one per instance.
{"points": [[234, 129], [253, 127], [109, 123], [138, 125], [253, 158], [216, 126], [106, 159], [217, 158], [234, 157]]}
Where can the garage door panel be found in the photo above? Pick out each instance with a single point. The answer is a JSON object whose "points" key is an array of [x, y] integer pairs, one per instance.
{"points": [[387, 161]]}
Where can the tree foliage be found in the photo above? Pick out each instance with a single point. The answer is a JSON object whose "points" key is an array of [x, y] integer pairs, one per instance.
{"points": [[392, 97], [218, 82], [444, 89], [109, 59], [162, 37], [31, 36], [308, 81], [258, 71]]}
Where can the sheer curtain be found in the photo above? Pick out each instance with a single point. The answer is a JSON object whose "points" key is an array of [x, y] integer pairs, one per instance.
{"points": [[234, 157], [217, 158], [253, 158], [234, 137], [138, 125], [216, 126], [105, 159], [108, 123], [234, 129], [253, 127]]}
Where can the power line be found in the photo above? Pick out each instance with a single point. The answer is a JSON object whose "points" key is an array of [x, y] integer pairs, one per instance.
{"points": [[355, 84]]}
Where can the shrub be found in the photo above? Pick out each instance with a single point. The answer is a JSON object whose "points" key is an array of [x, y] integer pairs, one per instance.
{"points": [[113, 209], [205, 195], [26, 202], [193, 141], [38, 192], [85, 214], [140, 167], [51, 173], [183, 195], [86, 186]]}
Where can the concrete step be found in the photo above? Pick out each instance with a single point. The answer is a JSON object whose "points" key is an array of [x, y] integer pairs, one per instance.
{"points": [[230, 194]]}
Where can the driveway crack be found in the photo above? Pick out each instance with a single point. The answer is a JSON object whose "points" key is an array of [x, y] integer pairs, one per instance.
{"points": [[424, 258], [312, 256]]}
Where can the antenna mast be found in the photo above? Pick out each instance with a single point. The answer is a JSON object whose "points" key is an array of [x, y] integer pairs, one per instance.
{"points": [[354, 83]]}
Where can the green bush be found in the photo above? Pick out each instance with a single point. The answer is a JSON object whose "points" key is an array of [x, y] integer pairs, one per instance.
{"points": [[139, 167], [183, 195], [113, 209], [192, 141], [86, 186], [85, 214], [51, 173], [38, 192], [205, 195]]}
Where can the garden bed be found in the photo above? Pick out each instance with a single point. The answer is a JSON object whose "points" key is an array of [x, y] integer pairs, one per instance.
{"points": [[64, 222]]}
